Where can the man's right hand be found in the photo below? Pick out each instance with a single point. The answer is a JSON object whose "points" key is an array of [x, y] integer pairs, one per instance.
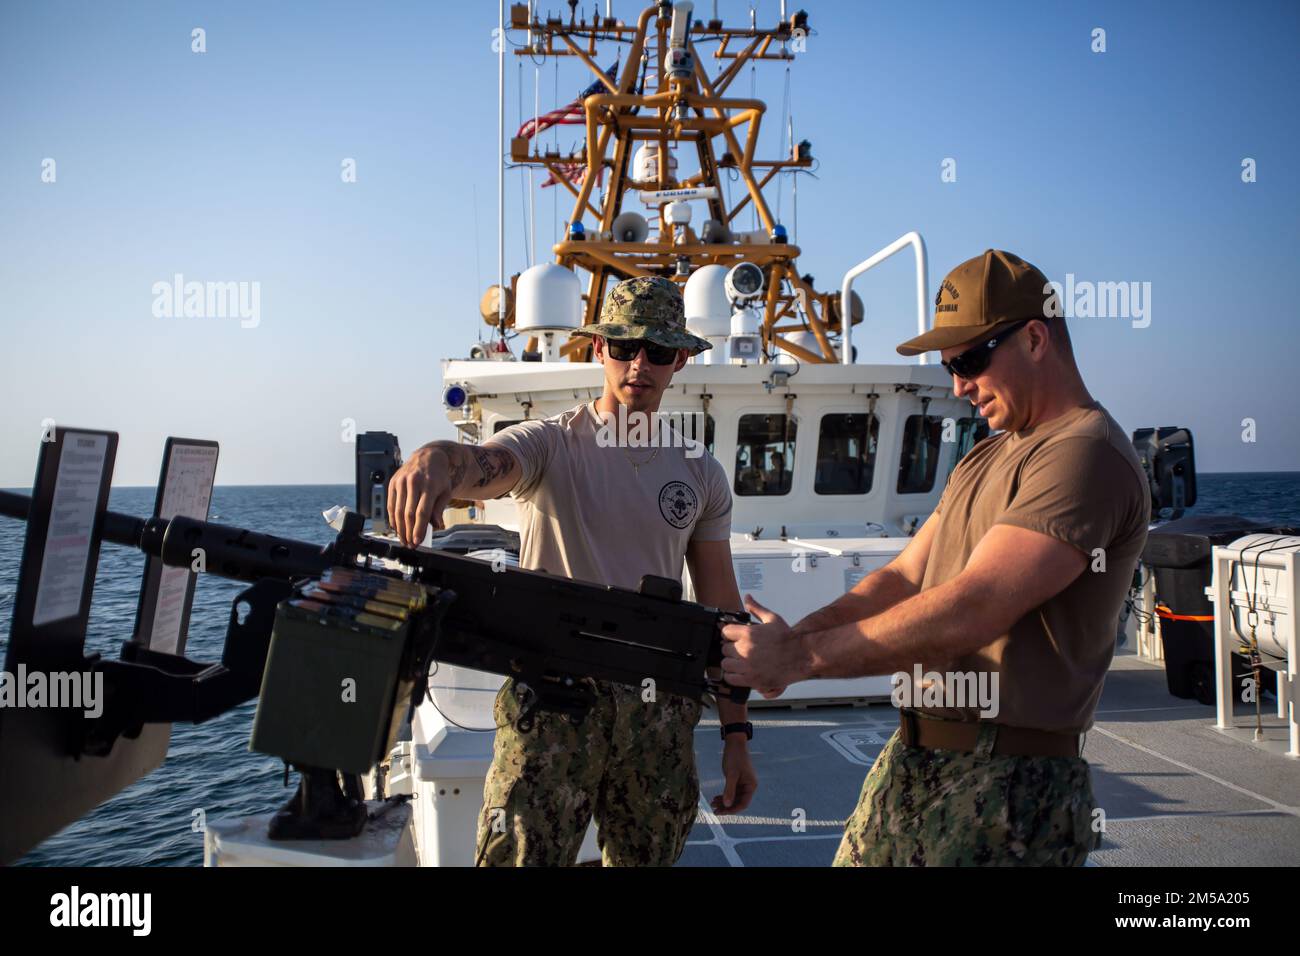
{"points": [[418, 493], [439, 472]]}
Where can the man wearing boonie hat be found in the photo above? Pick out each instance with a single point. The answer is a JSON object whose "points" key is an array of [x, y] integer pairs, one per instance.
{"points": [[1014, 585], [609, 513]]}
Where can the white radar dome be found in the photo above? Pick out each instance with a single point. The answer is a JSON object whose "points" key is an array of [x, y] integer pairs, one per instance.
{"points": [[708, 309], [804, 339], [549, 298], [645, 163]]}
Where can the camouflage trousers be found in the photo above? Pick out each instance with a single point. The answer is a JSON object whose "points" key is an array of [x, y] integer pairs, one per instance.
{"points": [[628, 763], [922, 807]]}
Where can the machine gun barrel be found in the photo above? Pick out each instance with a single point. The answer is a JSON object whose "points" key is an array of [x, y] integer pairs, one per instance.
{"points": [[229, 552], [118, 528]]}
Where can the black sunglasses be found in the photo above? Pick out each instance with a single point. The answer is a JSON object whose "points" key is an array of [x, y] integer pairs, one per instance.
{"points": [[976, 359], [625, 350]]}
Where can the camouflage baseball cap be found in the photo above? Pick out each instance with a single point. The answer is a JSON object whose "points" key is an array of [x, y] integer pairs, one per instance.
{"points": [[646, 307]]}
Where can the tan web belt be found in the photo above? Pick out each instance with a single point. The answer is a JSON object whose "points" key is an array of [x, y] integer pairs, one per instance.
{"points": [[964, 737]]}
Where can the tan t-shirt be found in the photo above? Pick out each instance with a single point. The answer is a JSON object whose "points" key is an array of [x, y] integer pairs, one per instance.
{"points": [[586, 513], [1077, 479]]}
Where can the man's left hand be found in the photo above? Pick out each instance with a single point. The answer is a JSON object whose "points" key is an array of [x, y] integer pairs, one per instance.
{"points": [[739, 778]]}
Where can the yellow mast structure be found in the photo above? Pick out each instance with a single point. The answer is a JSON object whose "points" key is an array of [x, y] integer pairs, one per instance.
{"points": [[675, 103]]}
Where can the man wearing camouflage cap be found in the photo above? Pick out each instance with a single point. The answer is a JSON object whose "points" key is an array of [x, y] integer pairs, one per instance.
{"points": [[604, 512], [1019, 575]]}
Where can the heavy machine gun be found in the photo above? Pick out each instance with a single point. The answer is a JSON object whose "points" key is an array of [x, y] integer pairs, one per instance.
{"points": [[336, 642]]}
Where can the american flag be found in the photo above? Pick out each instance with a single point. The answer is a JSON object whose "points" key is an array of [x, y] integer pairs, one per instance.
{"points": [[574, 173], [571, 114]]}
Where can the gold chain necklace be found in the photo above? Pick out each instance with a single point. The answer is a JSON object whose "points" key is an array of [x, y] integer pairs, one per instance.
{"points": [[636, 465]]}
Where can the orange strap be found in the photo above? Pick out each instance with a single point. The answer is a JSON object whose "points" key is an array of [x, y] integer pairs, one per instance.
{"points": [[1166, 613]]}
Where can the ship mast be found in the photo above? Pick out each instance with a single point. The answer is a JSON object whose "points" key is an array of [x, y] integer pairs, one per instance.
{"points": [[661, 99]]}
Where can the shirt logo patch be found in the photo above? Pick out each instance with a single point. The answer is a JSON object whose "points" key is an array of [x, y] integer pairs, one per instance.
{"points": [[678, 503]]}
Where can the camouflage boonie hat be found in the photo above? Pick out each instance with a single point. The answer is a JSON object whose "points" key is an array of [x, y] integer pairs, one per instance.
{"points": [[646, 307]]}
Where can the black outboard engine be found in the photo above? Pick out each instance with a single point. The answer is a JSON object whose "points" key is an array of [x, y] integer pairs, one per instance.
{"points": [[378, 458], [1166, 456]]}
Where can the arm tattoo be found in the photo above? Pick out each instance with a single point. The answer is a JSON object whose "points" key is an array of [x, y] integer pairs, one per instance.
{"points": [[494, 463], [456, 472]]}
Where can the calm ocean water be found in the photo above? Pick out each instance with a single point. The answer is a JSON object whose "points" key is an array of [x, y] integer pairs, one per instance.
{"points": [[209, 766]]}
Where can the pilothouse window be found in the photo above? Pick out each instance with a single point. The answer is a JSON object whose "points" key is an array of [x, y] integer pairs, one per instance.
{"points": [[846, 454], [690, 424], [922, 439], [969, 431], [764, 455]]}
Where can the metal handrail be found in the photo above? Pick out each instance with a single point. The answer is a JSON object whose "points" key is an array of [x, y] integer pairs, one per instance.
{"points": [[912, 239]]}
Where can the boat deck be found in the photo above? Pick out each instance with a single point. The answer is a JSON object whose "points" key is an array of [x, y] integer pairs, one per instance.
{"points": [[1175, 791]]}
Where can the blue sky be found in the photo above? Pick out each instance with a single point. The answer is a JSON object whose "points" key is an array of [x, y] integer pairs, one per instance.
{"points": [[225, 166]]}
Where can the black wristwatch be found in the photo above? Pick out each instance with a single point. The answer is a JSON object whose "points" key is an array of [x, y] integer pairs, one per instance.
{"points": [[747, 727]]}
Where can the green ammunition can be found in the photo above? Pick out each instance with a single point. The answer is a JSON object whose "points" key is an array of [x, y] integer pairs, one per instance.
{"points": [[333, 694]]}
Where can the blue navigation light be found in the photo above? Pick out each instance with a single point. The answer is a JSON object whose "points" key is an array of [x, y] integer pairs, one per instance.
{"points": [[454, 397]]}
